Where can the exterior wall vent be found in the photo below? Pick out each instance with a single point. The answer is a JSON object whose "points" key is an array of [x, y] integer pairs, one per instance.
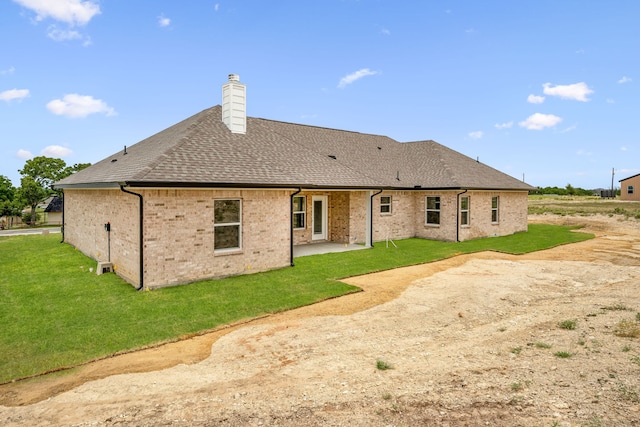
{"points": [[234, 105]]}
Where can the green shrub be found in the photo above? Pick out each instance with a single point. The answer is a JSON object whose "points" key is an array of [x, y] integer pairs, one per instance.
{"points": [[382, 365], [568, 324]]}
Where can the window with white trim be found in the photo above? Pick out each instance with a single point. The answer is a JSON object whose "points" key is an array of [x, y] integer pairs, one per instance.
{"points": [[432, 210], [495, 207], [464, 210], [630, 189], [385, 205], [299, 212], [227, 225]]}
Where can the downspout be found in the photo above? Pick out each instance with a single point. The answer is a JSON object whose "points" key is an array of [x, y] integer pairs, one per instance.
{"points": [[141, 250], [291, 225], [62, 225], [371, 215], [458, 215]]}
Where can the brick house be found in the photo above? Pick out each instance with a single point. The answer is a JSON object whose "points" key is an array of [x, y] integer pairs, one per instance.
{"points": [[222, 194], [630, 188]]}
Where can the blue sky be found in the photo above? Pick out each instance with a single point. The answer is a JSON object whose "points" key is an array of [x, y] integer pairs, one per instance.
{"points": [[543, 89]]}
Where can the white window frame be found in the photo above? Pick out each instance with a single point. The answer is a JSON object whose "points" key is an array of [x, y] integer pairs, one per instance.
{"points": [[438, 202], [495, 218], [302, 213], [386, 204], [228, 224], [466, 211]]}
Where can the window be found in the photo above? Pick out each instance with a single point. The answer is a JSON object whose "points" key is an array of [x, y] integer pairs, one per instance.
{"points": [[299, 212], [495, 205], [227, 228], [433, 210], [630, 189], [464, 210], [385, 204]]}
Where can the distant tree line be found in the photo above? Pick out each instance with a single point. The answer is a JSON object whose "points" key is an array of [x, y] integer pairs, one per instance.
{"points": [[38, 175], [569, 190]]}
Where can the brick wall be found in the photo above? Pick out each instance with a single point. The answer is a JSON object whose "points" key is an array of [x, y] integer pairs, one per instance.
{"points": [[358, 216], [86, 212], [178, 234], [512, 215], [179, 227], [400, 222]]}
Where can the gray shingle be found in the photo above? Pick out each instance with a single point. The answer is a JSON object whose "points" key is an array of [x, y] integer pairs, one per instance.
{"points": [[202, 151]]}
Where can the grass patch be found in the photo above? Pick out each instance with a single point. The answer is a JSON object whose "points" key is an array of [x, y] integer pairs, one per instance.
{"points": [[583, 206], [568, 324], [542, 345], [56, 313], [517, 386], [616, 307], [562, 354], [629, 393], [627, 328], [382, 365]]}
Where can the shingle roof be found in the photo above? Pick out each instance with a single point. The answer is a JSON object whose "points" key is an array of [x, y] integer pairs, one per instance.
{"points": [[201, 151]]}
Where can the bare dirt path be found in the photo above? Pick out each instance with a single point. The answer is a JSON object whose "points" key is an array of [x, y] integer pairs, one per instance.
{"points": [[471, 341]]}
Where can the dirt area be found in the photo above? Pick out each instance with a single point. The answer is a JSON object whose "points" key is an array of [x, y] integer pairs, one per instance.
{"points": [[473, 340]]}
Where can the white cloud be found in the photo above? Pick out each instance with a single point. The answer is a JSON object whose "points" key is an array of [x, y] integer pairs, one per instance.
{"points": [[350, 78], [10, 95], [55, 151], [59, 35], [79, 106], [24, 154], [539, 121], [8, 71], [163, 21], [386, 32], [476, 135], [577, 91], [72, 12], [506, 125], [216, 7], [569, 129], [625, 79], [623, 148], [535, 99], [582, 152], [610, 101]]}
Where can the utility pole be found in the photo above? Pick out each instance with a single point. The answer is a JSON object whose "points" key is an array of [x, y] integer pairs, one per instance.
{"points": [[613, 172]]}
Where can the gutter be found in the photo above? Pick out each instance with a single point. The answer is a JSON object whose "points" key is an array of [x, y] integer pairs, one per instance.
{"points": [[141, 250], [371, 214], [458, 214], [291, 225]]}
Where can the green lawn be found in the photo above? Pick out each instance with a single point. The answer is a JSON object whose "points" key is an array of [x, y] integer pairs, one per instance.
{"points": [[56, 313]]}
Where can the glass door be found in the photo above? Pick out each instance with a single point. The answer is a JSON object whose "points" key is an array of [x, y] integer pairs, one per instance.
{"points": [[319, 215]]}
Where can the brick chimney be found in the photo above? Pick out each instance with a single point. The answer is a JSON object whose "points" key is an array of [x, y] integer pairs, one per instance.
{"points": [[234, 105]]}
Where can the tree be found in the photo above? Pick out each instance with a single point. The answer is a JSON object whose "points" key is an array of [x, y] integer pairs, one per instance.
{"points": [[44, 170], [7, 196], [7, 190], [30, 194], [38, 175]]}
